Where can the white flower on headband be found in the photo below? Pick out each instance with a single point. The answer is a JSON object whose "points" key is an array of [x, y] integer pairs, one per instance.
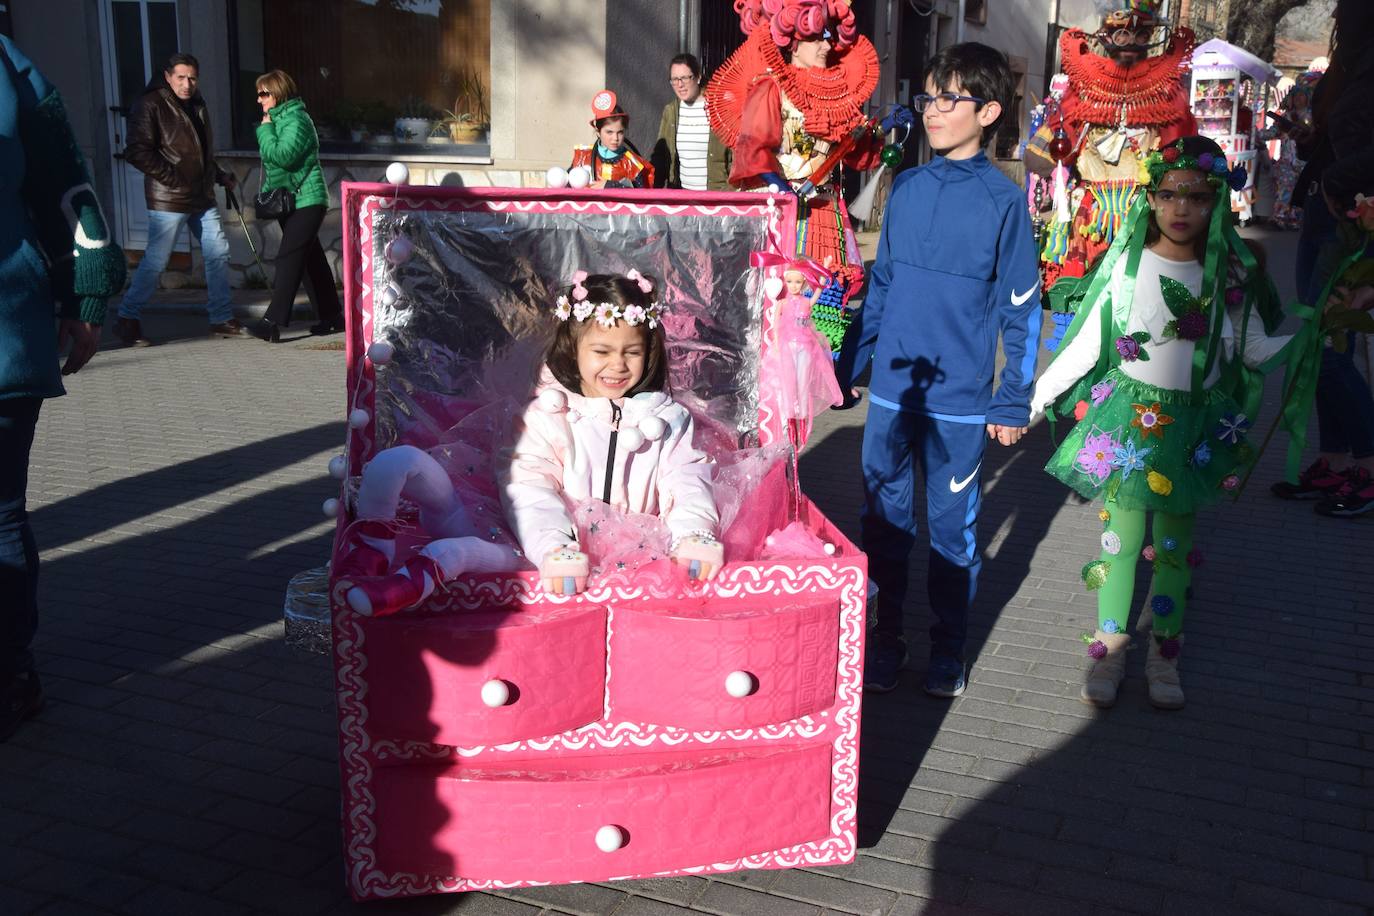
{"points": [[634, 314], [562, 308], [583, 310], [653, 313], [607, 313]]}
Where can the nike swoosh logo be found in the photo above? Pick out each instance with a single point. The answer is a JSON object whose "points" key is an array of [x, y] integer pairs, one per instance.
{"points": [[1020, 300], [957, 486]]}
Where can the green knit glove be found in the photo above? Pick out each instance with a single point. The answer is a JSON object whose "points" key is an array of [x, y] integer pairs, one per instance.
{"points": [[86, 266]]}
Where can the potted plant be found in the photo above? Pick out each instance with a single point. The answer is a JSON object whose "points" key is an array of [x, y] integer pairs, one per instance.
{"points": [[351, 115], [470, 116], [414, 121], [379, 119]]}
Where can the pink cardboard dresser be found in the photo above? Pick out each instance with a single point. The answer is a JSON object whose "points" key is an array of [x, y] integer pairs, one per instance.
{"points": [[498, 736]]}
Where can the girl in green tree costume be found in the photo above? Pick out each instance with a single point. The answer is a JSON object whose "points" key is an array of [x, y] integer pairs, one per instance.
{"points": [[1162, 368]]}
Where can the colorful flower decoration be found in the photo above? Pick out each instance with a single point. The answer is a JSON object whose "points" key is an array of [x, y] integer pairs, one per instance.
{"points": [[634, 314], [654, 314], [1195, 558], [1363, 212], [1205, 161], [1235, 295], [562, 309], [1095, 457], [1169, 543], [1095, 574], [1105, 516], [1231, 428], [1148, 552], [1170, 154], [1150, 420], [583, 310], [1080, 410], [1097, 649], [1128, 458], [1162, 605], [1102, 390], [1202, 455], [1170, 648], [1230, 482], [1192, 326], [1159, 484], [1111, 626], [1129, 348], [1111, 542]]}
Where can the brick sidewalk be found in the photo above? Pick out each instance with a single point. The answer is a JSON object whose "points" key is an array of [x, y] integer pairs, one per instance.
{"points": [[186, 760]]}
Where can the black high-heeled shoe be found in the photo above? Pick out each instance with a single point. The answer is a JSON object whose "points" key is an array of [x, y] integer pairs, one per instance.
{"points": [[265, 330], [332, 326]]}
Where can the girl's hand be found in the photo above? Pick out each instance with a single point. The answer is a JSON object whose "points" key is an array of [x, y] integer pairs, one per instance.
{"points": [[564, 571], [1343, 297], [703, 556]]}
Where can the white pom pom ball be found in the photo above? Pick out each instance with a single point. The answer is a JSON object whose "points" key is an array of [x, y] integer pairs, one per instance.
{"points": [[609, 838], [495, 693], [381, 352], [330, 508], [631, 439], [551, 400], [654, 428], [389, 295], [399, 250], [358, 417], [579, 177], [338, 467], [774, 189], [398, 173], [773, 287], [739, 684], [556, 177], [829, 550]]}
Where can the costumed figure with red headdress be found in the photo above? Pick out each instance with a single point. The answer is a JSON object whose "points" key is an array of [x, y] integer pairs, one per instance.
{"points": [[789, 102], [797, 364], [1125, 98], [612, 161]]}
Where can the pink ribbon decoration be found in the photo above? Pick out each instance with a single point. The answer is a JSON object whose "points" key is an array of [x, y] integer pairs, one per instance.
{"points": [[579, 291], [644, 285]]}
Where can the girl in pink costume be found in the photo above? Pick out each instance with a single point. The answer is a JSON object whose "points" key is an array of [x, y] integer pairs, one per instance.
{"points": [[799, 363], [603, 427]]}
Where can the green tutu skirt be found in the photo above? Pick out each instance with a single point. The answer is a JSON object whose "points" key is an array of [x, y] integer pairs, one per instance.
{"points": [[1151, 448]]}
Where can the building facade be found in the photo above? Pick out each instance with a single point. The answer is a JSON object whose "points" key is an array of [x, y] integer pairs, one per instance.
{"points": [[471, 92]]}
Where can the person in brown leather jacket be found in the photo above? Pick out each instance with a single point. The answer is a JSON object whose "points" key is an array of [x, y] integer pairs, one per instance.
{"points": [[172, 144]]}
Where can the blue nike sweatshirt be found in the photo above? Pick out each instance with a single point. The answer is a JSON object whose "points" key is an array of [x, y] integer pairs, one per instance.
{"points": [[957, 266]]}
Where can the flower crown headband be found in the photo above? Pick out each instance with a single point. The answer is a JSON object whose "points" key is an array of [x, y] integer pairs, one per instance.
{"points": [[1172, 158], [608, 313]]}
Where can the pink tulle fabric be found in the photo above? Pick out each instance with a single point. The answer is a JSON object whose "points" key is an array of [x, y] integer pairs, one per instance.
{"points": [[792, 543], [799, 367]]}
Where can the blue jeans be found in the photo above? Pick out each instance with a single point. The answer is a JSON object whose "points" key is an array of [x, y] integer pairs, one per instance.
{"points": [[18, 551], [1345, 406], [163, 227]]}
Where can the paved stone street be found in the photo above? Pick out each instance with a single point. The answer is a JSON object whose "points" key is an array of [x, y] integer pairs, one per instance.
{"points": [[186, 760]]}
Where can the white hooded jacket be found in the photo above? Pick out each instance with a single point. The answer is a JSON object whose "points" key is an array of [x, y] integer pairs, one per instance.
{"points": [[637, 456]]}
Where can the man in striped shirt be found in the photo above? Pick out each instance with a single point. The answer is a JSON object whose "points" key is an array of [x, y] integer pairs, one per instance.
{"points": [[687, 155]]}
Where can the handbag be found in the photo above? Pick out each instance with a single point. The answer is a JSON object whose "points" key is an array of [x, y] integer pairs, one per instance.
{"points": [[277, 203]]}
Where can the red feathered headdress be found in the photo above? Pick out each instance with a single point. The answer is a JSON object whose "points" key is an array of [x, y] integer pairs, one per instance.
{"points": [[789, 20]]}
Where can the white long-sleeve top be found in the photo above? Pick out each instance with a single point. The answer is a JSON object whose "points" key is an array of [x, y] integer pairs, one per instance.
{"points": [[561, 455], [1171, 360]]}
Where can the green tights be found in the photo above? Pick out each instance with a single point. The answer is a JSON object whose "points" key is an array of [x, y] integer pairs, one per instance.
{"points": [[1171, 574]]}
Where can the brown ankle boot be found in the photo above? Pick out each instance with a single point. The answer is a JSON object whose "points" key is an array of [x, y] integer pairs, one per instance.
{"points": [[1161, 672], [1104, 678]]}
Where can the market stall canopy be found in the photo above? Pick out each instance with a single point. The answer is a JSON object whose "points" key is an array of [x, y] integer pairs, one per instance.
{"points": [[1218, 53]]}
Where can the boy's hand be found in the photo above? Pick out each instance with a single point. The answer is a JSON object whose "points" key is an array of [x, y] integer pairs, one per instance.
{"points": [[1006, 435]]}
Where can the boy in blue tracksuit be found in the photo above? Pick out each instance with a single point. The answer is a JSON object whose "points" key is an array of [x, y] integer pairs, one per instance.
{"points": [[956, 267]]}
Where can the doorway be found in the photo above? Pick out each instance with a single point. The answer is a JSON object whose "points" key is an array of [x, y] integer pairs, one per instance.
{"points": [[137, 37]]}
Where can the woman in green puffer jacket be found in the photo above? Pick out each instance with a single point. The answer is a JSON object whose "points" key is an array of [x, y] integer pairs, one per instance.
{"points": [[291, 159]]}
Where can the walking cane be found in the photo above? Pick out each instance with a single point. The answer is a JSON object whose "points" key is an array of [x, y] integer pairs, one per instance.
{"points": [[233, 202]]}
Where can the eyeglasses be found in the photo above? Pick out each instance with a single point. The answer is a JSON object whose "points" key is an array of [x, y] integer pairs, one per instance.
{"points": [[681, 80], [262, 94], [1126, 38], [944, 102]]}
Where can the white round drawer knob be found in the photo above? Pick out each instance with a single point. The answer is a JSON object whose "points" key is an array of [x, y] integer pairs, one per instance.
{"points": [[740, 684], [495, 693], [609, 838]]}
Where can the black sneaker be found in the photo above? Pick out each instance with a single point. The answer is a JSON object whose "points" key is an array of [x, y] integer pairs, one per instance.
{"points": [[883, 662], [945, 678], [1355, 497], [1317, 481], [22, 699]]}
